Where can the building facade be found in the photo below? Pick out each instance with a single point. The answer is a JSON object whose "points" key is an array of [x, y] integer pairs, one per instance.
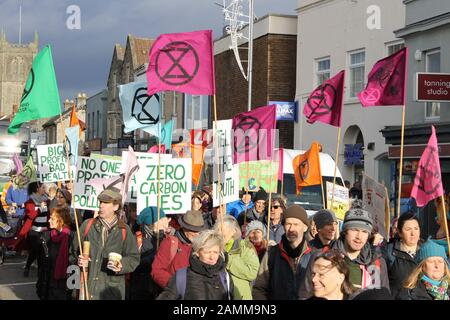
{"points": [[274, 65], [335, 35], [96, 121]]}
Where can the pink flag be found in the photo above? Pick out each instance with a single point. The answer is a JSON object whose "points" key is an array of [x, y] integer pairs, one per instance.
{"points": [[254, 134], [387, 82], [18, 163], [154, 149], [428, 183], [325, 103], [279, 157], [182, 62]]}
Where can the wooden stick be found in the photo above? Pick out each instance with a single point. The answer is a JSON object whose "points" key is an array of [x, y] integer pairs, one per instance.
{"points": [[445, 224], [159, 189], [335, 165], [270, 201], [388, 214], [323, 195], [401, 162], [219, 187], [246, 191], [74, 210]]}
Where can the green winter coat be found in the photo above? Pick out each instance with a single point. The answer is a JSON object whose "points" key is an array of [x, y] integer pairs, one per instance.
{"points": [[243, 265], [104, 284]]}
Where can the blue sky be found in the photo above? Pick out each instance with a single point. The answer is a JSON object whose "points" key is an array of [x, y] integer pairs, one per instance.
{"points": [[82, 57]]}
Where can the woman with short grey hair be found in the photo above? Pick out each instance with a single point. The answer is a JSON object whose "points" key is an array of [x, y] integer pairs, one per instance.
{"points": [[243, 261], [206, 277]]}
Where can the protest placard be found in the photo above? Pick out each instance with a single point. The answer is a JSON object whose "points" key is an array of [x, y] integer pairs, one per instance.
{"points": [[143, 160], [88, 169], [341, 200], [52, 163], [229, 173], [175, 185], [256, 174], [374, 201]]}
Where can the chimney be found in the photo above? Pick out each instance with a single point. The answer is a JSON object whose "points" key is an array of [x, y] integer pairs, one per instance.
{"points": [[81, 100], [67, 104]]}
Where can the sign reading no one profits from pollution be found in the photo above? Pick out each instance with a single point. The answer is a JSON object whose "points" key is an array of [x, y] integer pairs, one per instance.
{"points": [[89, 169], [52, 163], [175, 185], [143, 159]]}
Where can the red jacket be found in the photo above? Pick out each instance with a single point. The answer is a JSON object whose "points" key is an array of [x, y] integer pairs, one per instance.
{"points": [[173, 254], [30, 214]]}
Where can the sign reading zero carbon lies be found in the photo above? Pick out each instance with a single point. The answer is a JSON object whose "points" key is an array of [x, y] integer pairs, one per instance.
{"points": [[52, 163], [89, 169], [175, 185]]}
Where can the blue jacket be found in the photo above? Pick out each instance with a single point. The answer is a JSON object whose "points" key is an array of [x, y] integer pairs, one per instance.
{"points": [[19, 196], [236, 207]]}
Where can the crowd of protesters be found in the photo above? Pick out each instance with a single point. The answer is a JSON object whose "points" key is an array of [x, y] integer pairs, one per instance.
{"points": [[231, 252]]}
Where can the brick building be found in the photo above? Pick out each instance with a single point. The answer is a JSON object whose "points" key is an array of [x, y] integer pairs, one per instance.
{"points": [[274, 70]]}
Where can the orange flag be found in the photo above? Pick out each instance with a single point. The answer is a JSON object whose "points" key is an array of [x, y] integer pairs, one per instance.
{"points": [[74, 121], [197, 153], [307, 168]]}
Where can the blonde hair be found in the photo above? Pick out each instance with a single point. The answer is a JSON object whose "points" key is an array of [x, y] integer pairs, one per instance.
{"points": [[207, 239], [414, 277], [230, 223]]}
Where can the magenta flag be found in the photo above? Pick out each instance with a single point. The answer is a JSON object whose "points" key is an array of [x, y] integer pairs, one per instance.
{"points": [[254, 134], [182, 62], [428, 182], [386, 85], [325, 103], [154, 149], [18, 163]]}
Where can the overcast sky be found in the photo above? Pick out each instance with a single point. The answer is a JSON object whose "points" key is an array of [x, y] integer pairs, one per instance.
{"points": [[82, 57]]}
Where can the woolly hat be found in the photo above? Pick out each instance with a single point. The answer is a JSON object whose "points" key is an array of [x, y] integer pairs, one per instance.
{"points": [[430, 249], [324, 217], [359, 219], [260, 195], [149, 216], [297, 212], [255, 225]]}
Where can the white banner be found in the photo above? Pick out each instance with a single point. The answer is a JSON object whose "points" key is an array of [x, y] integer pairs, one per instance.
{"points": [[89, 169], [149, 159], [374, 201], [52, 163], [229, 173], [341, 200], [175, 185]]}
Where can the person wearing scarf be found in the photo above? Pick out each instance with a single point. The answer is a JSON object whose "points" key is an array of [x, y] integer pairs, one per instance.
{"points": [[429, 281], [51, 283]]}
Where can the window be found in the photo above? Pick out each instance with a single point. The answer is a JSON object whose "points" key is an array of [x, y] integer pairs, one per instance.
{"points": [[98, 124], [89, 127], [93, 124], [357, 72], [196, 112], [433, 64], [322, 70], [395, 47]]}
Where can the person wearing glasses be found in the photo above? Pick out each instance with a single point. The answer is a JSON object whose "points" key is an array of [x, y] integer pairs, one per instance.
{"points": [[277, 209], [330, 277]]}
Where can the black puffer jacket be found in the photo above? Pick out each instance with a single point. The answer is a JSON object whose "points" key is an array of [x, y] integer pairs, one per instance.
{"points": [[400, 265], [418, 293], [203, 282]]}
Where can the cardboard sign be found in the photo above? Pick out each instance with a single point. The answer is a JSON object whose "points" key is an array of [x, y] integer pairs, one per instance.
{"points": [[255, 174], [374, 201], [88, 169], [143, 159], [341, 200], [175, 185], [228, 173], [52, 163]]}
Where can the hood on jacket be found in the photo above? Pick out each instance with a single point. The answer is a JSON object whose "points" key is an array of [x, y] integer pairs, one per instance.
{"points": [[366, 256]]}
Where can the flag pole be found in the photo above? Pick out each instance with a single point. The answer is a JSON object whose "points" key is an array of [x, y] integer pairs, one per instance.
{"points": [[323, 193], [246, 192], [335, 165], [387, 214], [445, 224], [270, 201], [74, 210], [158, 184], [219, 187]]}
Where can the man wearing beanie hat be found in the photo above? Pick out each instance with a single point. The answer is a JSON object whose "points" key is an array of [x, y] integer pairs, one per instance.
{"points": [[283, 267], [367, 268], [326, 225], [142, 286], [245, 202], [106, 234], [430, 279], [257, 212]]}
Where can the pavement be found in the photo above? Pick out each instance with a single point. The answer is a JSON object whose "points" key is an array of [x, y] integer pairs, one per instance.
{"points": [[13, 285]]}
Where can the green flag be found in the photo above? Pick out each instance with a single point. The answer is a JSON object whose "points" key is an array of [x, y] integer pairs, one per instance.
{"points": [[27, 175], [40, 98]]}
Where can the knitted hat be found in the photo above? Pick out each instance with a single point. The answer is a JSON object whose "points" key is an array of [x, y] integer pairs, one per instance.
{"points": [[260, 195], [430, 249], [297, 212], [255, 225], [324, 217], [66, 194], [149, 215], [357, 218]]}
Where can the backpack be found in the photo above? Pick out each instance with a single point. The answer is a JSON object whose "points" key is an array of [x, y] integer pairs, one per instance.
{"points": [[91, 221], [181, 276]]}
